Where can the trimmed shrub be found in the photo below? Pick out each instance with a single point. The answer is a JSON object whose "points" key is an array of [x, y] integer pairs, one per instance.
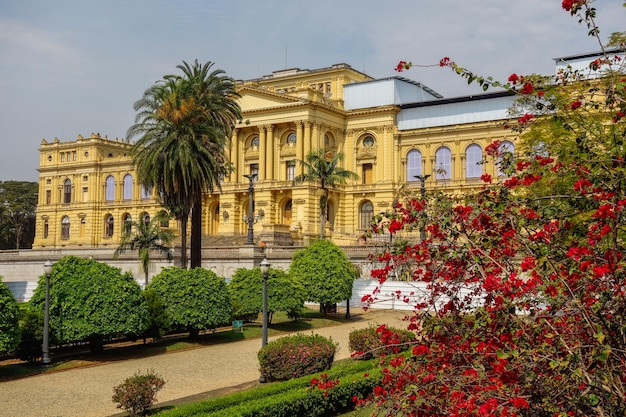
{"points": [[31, 326], [295, 356], [373, 342], [138, 392]]}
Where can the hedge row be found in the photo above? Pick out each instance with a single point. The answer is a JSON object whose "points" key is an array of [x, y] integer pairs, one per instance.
{"points": [[283, 398]]}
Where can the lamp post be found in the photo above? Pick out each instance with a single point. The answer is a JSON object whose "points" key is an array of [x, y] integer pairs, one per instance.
{"points": [[47, 269], [251, 178], [265, 269], [422, 179]]}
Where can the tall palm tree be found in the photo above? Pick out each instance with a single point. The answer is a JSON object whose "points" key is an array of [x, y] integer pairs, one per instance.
{"points": [[327, 173], [183, 123], [145, 238]]}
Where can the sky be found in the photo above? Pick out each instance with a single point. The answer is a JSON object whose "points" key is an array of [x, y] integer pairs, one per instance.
{"points": [[70, 67]]}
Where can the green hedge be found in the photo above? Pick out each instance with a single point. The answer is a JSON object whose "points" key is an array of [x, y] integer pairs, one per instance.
{"points": [[291, 390]]}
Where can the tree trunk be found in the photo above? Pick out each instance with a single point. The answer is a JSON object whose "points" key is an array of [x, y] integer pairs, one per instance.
{"points": [[183, 241], [196, 234], [323, 206]]}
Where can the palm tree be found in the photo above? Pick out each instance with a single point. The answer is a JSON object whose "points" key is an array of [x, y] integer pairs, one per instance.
{"points": [[145, 237], [183, 124], [328, 173]]}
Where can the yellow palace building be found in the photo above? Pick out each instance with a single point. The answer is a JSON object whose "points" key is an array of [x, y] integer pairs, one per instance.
{"points": [[390, 131]]}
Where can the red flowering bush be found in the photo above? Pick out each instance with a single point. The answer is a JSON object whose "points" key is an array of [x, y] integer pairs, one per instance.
{"points": [[295, 356], [138, 392], [522, 307]]}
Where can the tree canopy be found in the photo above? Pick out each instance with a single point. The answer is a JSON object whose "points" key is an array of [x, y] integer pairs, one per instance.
{"points": [[324, 271], [195, 299], [9, 320], [318, 168], [182, 125], [18, 202], [91, 301], [283, 293]]}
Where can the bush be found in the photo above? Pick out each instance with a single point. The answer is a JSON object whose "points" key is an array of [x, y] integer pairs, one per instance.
{"points": [[373, 342], [138, 392], [295, 356], [31, 326]]}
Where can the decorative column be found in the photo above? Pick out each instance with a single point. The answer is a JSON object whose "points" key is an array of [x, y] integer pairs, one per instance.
{"points": [[262, 152], [307, 138], [234, 155], [299, 146], [269, 153]]}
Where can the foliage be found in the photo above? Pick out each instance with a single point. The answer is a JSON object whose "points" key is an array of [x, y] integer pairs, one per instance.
{"points": [[295, 356], [183, 123], [159, 322], [138, 392], [283, 293], [9, 320], [18, 202], [293, 397], [373, 342], [31, 327], [145, 238], [195, 299], [91, 301], [326, 171], [324, 271], [520, 303]]}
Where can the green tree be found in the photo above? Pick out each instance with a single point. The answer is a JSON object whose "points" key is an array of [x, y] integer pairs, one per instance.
{"points": [[91, 301], [18, 202], [145, 238], [325, 272], [283, 293], [183, 124], [327, 172], [194, 299], [9, 320]]}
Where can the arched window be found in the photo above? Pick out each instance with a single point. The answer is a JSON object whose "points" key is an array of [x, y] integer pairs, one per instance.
{"points": [[369, 141], [507, 153], [413, 164], [46, 229], [146, 192], [365, 215], [255, 142], [67, 191], [473, 157], [288, 212], [109, 224], [291, 139], [128, 187], [443, 164], [109, 193], [65, 227], [145, 218], [128, 222]]}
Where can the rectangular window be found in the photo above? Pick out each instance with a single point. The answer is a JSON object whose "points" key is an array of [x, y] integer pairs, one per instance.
{"points": [[254, 170], [85, 178], [73, 155], [85, 194], [291, 170], [62, 156], [367, 174], [48, 197]]}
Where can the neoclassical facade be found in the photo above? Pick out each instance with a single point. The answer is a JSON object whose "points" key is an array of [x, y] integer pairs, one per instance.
{"points": [[389, 130]]}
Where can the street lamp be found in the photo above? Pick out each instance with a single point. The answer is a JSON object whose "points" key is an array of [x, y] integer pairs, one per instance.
{"points": [[47, 269], [265, 269], [422, 179], [251, 178]]}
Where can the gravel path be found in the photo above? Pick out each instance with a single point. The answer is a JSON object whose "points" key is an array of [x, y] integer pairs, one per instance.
{"points": [[86, 392]]}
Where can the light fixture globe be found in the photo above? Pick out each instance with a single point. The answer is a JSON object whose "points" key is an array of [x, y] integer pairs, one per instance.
{"points": [[265, 266]]}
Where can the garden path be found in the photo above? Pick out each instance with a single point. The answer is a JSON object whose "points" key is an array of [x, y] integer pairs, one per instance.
{"points": [[190, 375]]}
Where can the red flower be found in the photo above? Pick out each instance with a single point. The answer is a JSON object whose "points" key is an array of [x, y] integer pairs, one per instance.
{"points": [[576, 104], [402, 65], [527, 88], [486, 178], [445, 62], [513, 78], [525, 118]]}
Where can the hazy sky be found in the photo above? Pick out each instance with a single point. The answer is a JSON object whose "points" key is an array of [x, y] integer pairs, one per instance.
{"points": [[76, 67]]}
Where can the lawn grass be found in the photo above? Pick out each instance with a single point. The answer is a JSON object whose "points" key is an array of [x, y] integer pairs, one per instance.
{"points": [[81, 357]]}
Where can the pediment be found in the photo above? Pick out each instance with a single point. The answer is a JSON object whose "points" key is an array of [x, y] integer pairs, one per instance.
{"points": [[256, 99]]}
